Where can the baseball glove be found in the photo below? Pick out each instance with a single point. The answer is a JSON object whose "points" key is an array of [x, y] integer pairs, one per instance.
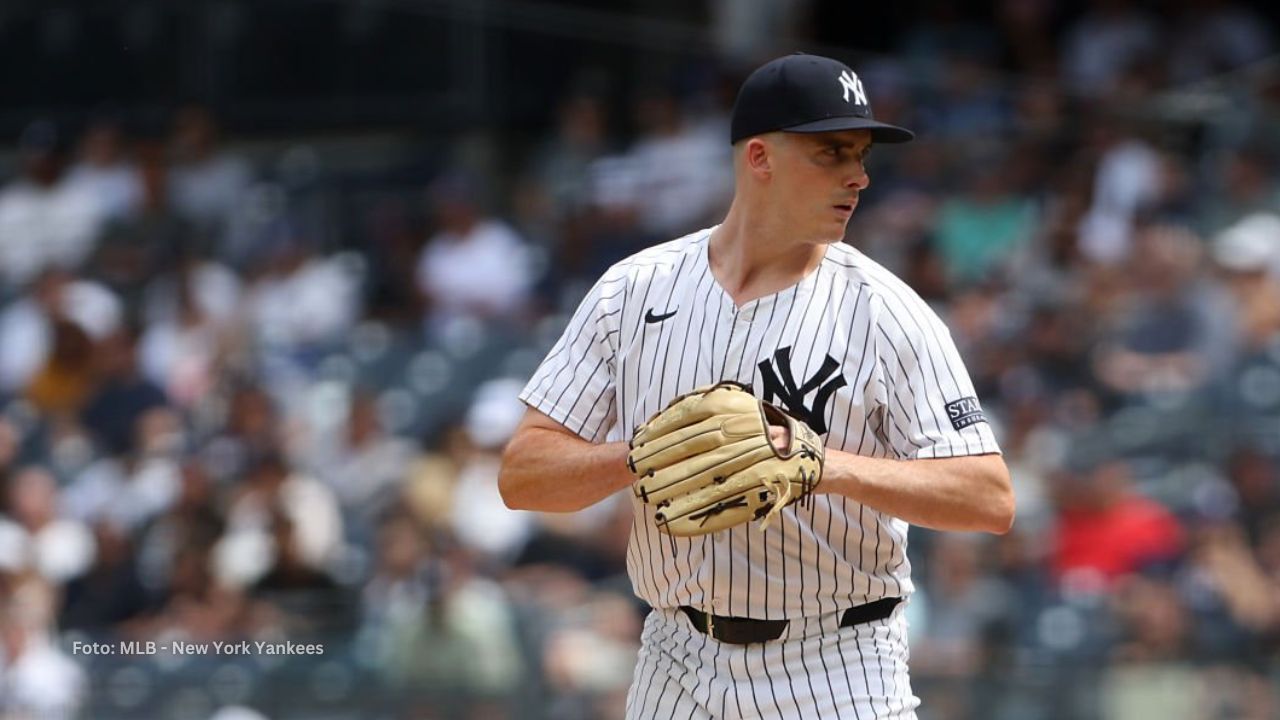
{"points": [[707, 463]]}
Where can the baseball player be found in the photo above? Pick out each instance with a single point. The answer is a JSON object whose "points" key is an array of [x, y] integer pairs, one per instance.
{"points": [[781, 408]]}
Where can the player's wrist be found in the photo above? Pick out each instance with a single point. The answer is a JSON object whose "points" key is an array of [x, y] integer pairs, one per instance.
{"points": [[840, 474], [613, 458]]}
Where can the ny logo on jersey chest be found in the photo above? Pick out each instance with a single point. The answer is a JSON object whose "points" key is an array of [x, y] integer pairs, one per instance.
{"points": [[780, 387]]}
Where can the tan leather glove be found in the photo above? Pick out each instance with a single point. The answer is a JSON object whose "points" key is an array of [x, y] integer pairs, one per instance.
{"points": [[706, 462]]}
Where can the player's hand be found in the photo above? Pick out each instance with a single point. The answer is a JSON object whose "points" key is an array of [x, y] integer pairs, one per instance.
{"points": [[779, 436]]}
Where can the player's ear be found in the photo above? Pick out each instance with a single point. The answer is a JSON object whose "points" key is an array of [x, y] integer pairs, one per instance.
{"points": [[757, 156]]}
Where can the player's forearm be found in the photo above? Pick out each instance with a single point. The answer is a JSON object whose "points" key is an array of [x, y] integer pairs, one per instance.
{"points": [[962, 493], [550, 471]]}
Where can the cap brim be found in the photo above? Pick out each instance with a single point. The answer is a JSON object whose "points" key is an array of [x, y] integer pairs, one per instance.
{"points": [[880, 132]]}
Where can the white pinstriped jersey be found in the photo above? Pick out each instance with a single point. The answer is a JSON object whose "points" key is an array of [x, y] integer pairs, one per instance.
{"points": [[851, 349]]}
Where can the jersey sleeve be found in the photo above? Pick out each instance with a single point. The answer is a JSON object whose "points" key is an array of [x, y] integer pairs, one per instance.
{"points": [[575, 384], [930, 407]]}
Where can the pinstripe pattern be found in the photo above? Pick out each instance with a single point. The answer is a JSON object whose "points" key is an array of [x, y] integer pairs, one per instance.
{"points": [[611, 371], [855, 673], [850, 332]]}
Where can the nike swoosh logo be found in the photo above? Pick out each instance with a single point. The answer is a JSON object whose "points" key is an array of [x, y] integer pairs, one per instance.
{"points": [[650, 318]]}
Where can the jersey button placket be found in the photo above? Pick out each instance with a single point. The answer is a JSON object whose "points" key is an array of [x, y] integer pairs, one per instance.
{"points": [[739, 326]]}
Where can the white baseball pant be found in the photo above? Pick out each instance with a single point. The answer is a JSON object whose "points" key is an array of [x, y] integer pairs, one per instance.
{"points": [[816, 669]]}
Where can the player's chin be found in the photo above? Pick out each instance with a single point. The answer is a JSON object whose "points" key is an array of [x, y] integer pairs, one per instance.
{"points": [[833, 231], [829, 238]]}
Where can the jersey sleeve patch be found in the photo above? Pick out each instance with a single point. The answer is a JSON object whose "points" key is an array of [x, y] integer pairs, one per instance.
{"points": [[965, 412]]}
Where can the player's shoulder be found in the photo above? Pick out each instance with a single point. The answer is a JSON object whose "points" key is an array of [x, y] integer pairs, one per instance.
{"points": [[888, 291], [661, 258]]}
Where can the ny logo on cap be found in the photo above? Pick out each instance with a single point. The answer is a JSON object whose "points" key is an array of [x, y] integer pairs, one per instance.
{"points": [[849, 81]]}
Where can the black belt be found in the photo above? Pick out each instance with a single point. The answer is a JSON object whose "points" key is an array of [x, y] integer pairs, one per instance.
{"points": [[744, 631]]}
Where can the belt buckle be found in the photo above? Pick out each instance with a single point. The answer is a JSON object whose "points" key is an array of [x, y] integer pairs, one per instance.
{"points": [[711, 626]]}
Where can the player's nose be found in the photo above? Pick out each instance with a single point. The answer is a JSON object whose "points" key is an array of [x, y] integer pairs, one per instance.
{"points": [[858, 178]]}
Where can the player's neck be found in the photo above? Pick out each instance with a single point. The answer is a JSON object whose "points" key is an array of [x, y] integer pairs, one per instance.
{"points": [[751, 260]]}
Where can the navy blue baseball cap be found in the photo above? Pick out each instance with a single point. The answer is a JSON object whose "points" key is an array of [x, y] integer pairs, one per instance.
{"points": [[806, 94]]}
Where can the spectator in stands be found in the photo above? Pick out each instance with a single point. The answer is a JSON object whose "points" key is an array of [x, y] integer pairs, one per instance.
{"points": [[365, 465], [475, 266], [1126, 183], [202, 607], [553, 199], [432, 479], [39, 678], [964, 607], [1248, 253], [300, 300], [253, 429], [1106, 42], [555, 185], [122, 395], [589, 654], [142, 481], [1107, 530], [979, 230], [461, 645], [111, 593], [1235, 603], [1255, 477], [142, 246], [968, 105], [208, 184], [403, 577], [479, 519], [681, 177], [44, 220], [1163, 339], [34, 534], [272, 488], [1149, 672], [194, 521], [182, 350], [309, 600], [105, 171], [27, 325]]}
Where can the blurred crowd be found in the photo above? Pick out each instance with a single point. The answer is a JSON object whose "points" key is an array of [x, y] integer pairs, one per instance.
{"points": [[215, 425]]}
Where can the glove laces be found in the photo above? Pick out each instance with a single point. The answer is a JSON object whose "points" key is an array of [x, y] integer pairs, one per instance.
{"points": [[780, 486]]}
